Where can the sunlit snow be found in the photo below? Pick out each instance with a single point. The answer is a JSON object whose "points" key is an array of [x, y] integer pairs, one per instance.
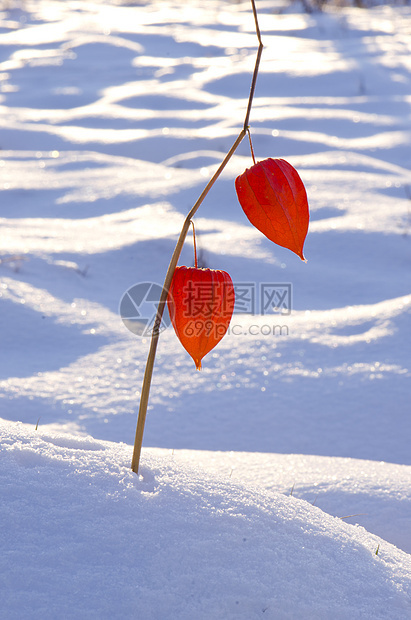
{"points": [[275, 483]]}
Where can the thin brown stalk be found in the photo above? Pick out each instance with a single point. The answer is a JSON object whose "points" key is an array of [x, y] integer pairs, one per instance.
{"points": [[145, 391], [251, 146], [195, 245]]}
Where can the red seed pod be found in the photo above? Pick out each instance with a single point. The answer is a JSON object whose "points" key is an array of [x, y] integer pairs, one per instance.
{"points": [[200, 303], [274, 199]]}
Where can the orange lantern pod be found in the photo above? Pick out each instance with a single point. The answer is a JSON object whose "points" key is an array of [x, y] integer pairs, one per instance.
{"points": [[274, 199], [200, 303]]}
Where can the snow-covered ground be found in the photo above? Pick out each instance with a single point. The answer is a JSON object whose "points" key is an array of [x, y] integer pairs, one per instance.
{"points": [[276, 483]]}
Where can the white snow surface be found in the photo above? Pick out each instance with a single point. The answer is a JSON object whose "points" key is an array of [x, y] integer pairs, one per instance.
{"points": [[276, 482]]}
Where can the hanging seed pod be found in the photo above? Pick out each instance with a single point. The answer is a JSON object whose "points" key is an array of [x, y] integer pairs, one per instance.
{"points": [[200, 303], [274, 199]]}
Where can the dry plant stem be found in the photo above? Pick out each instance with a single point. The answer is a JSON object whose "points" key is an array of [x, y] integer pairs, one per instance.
{"points": [[195, 245], [145, 390], [161, 305], [251, 146], [256, 67]]}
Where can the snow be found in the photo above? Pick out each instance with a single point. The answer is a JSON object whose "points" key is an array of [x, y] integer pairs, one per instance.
{"points": [[274, 483], [92, 540]]}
